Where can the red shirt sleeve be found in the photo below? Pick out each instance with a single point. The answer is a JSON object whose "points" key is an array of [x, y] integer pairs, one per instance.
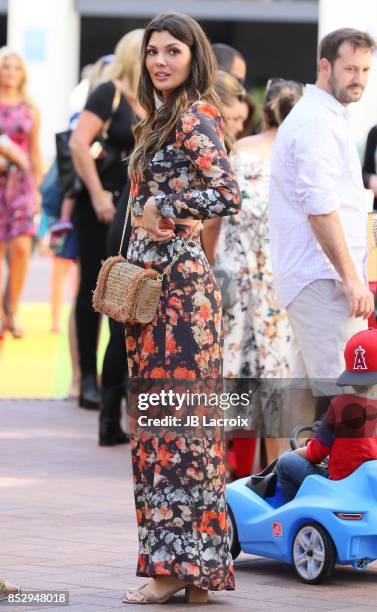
{"points": [[316, 451], [319, 447]]}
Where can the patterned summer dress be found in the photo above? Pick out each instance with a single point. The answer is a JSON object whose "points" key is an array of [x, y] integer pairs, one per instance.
{"points": [[257, 333], [179, 475], [17, 187]]}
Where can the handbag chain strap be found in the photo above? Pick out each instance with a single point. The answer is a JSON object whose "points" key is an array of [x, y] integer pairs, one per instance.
{"points": [[181, 250], [125, 225]]}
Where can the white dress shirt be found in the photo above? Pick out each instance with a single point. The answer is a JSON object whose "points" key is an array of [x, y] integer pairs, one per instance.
{"points": [[315, 169]]}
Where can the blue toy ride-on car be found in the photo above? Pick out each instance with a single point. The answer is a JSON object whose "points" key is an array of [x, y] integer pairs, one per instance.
{"points": [[328, 522]]}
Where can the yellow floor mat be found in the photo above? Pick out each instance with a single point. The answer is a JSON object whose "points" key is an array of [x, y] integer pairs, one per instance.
{"points": [[38, 365]]}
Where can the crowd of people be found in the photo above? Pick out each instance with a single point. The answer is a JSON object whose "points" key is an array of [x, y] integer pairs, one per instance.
{"points": [[276, 200]]}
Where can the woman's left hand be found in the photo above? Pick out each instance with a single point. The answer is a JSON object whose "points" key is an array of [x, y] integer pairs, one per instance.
{"points": [[157, 227]]}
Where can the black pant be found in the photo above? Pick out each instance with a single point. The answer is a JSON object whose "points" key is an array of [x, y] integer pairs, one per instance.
{"points": [[91, 235], [114, 235], [96, 242], [114, 372]]}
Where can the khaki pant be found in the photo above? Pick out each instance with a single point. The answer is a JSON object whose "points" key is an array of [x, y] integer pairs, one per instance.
{"points": [[321, 327]]}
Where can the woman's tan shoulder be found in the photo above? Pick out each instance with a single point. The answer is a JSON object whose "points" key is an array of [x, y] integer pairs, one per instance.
{"points": [[249, 143]]}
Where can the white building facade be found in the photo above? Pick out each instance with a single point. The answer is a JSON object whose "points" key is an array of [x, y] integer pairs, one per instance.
{"points": [[47, 34]]}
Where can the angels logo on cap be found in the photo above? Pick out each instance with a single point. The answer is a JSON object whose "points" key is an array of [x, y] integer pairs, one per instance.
{"points": [[360, 356], [360, 359]]}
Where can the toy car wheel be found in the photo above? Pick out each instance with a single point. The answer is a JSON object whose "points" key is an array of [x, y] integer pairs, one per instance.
{"points": [[313, 553], [234, 544]]}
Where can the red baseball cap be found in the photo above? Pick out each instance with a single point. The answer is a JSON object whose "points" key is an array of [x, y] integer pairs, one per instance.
{"points": [[360, 355]]}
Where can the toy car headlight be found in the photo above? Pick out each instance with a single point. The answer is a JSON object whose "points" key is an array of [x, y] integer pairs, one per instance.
{"points": [[350, 516]]}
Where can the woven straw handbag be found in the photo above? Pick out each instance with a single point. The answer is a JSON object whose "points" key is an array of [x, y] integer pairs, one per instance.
{"points": [[128, 293]]}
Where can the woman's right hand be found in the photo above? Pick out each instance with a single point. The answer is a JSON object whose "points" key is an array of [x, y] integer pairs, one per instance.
{"points": [[104, 207], [160, 229]]}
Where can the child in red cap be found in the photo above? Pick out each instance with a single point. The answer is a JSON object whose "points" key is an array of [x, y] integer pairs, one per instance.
{"points": [[348, 433]]}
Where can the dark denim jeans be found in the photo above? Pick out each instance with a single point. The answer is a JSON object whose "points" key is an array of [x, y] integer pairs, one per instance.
{"points": [[292, 471]]}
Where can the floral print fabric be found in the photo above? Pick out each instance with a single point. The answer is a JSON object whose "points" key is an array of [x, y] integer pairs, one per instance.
{"points": [[257, 339], [17, 187], [179, 475], [191, 176], [183, 340]]}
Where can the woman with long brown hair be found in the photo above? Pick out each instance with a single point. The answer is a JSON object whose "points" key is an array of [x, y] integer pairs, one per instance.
{"points": [[180, 174]]}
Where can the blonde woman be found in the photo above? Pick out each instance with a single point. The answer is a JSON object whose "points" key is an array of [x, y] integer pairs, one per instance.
{"points": [[257, 332], [94, 211], [232, 95], [257, 340], [20, 175], [235, 108]]}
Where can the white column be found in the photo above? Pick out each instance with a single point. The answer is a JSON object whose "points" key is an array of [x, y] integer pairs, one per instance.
{"points": [[362, 15], [47, 34]]}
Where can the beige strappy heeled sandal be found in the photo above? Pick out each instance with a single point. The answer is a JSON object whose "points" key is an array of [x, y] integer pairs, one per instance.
{"points": [[7, 588], [193, 594]]}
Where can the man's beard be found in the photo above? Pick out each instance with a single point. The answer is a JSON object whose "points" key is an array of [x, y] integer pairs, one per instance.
{"points": [[342, 94]]}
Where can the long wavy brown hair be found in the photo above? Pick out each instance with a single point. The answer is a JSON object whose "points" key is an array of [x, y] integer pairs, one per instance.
{"points": [[152, 132]]}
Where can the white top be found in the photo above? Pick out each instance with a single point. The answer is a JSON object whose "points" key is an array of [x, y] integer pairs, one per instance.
{"points": [[77, 100], [315, 169]]}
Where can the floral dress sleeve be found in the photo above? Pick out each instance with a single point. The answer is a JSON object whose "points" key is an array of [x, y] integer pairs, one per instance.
{"points": [[215, 193]]}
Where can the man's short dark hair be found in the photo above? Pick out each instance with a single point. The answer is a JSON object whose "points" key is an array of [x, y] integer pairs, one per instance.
{"points": [[225, 55], [329, 47]]}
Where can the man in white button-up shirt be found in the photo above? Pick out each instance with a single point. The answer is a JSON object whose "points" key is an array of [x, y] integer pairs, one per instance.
{"points": [[318, 211]]}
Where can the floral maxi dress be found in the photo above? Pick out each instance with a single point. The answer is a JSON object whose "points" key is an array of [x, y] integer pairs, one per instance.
{"points": [[179, 475], [257, 332]]}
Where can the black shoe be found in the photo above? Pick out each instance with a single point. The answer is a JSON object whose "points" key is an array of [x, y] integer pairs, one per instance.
{"points": [[89, 394], [110, 431], [111, 435]]}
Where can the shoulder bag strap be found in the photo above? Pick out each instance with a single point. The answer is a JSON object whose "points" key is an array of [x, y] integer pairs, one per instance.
{"points": [[114, 108]]}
